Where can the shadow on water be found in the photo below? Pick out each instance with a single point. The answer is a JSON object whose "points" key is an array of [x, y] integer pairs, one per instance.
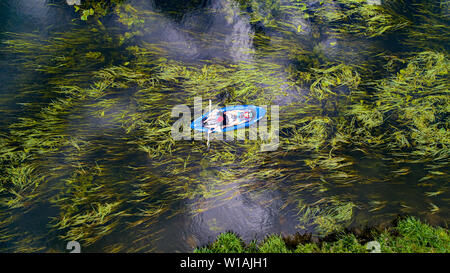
{"points": [[86, 148]]}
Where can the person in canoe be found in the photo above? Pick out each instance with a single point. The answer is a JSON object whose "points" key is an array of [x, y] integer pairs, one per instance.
{"points": [[218, 120]]}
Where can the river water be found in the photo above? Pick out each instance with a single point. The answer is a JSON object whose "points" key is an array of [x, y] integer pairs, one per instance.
{"points": [[106, 171]]}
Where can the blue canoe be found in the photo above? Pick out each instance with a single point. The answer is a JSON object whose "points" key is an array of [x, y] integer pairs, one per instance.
{"points": [[256, 112]]}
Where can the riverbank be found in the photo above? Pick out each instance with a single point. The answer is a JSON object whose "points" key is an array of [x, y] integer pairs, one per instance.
{"points": [[408, 235]]}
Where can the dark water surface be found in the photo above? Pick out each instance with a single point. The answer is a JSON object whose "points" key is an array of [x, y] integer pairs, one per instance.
{"points": [[105, 171]]}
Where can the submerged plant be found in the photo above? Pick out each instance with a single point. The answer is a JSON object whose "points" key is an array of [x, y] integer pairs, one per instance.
{"points": [[94, 132]]}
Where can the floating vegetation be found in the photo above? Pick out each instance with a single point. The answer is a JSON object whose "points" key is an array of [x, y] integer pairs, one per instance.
{"points": [[329, 217], [363, 131], [90, 7]]}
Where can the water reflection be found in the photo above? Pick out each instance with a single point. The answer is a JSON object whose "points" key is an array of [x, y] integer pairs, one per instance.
{"points": [[216, 31], [166, 196]]}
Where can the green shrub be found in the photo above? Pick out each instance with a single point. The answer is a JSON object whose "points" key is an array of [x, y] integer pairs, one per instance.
{"points": [[273, 244], [225, 243], [409, 235]]}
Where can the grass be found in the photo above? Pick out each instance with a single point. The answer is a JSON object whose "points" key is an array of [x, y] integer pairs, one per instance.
{"points": [[408, 236]]}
